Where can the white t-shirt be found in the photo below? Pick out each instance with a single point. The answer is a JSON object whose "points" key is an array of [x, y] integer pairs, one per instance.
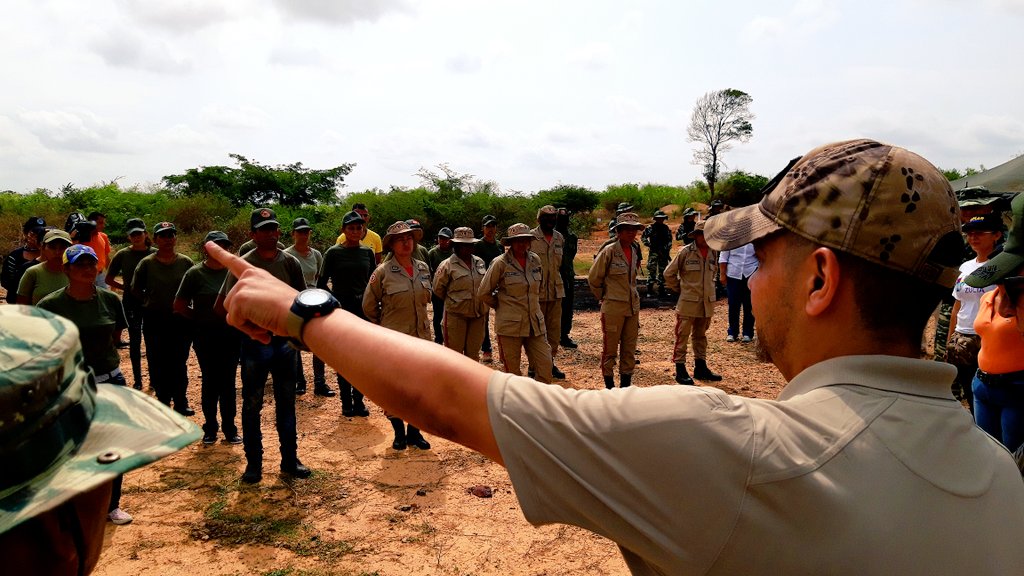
{"points": [[969, 297]]}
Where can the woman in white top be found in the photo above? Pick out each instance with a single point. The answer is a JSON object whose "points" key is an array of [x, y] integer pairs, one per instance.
{"points": [[983, 232]]}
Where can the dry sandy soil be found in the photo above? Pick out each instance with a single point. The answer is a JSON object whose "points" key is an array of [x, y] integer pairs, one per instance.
{"points": [[371, 510]]}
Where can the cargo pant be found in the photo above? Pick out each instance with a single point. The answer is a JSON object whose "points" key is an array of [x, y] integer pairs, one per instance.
{"points": [[538, 352], [552, 310], [620, 336], [464, 334], [685, 327]]}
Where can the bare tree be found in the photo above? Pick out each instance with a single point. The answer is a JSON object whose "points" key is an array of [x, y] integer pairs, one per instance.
{"points": [[719, 119]]}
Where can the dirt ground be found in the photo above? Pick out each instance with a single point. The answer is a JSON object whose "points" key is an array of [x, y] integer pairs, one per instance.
{"points": [[369, 509]]}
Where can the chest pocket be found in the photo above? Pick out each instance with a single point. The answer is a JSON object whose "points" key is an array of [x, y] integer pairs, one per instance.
{"points": [[462, 285], [515, 285], [396, 284], [616, 267], [692, 265], [537, 274]]}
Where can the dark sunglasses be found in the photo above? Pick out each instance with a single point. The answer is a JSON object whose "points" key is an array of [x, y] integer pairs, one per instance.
{"points": [[1014, 287]]}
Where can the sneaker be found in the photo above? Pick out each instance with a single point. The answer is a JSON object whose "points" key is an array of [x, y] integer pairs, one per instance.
{"points": [[487, 357], [746, 339], [119, 517], [234, 439], [209, 439], [730, 338]]}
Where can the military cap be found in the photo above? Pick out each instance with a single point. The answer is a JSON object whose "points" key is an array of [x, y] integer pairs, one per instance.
{"points": [[61, 434], [490, 220], [134, 225], [445, 232], [623, 207], [352, 217], [689, 212], [1008, 261], [220, 238], [875, 201], [261, 217], [660, 214], [54, 234], [300, 224], [164, 227], [976, 196]]}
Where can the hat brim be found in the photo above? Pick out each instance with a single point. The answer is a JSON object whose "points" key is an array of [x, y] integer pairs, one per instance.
{"points": [[134, 230], [737, 227], [1001, 266], [508, 239], [301, 228], [465, 240], [264, 223], [636, 226], [417, 235], [132, 425]]}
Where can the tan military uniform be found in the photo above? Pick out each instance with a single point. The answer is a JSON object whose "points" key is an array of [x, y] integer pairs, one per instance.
{"points": [[613, 281], [465, 314], [514, 293], [398, 301], [552, 290], [693, 277]]}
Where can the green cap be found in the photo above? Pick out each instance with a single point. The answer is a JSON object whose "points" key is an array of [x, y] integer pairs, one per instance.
{"points": [[61, 434], [976, 196], [1010, 259]]}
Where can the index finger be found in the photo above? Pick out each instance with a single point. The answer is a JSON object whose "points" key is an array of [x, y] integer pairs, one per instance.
{"points": [[233, 263]]}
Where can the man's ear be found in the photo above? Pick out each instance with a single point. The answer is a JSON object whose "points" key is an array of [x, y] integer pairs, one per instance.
{"points": [[825, 274]]}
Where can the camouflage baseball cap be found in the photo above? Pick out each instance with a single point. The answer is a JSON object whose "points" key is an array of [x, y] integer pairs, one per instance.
{"points": [[547, 210], [61, 434], [464, 235], [1011, 258], [976, 196], [660, 214], [876, 201]]}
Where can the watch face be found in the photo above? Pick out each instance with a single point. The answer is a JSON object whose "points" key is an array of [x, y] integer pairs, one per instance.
{"points": [[313, 297]]}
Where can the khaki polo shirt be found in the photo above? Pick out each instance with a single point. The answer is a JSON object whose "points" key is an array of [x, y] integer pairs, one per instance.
{"points": [[693, 277], [613, 280], [457, 284], [514, 293], [550, 254], [864, 465], [398, 301]]}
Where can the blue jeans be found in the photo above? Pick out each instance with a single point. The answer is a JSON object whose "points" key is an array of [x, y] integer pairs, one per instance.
{"points": [[277, 360], [999, 409], [739, 297]]}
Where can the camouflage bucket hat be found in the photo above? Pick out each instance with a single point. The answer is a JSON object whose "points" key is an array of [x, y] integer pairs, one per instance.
{"points": [[1011, 258], [60, 434], [875, 201], [630, 220], [399, 228], [464, 235], [517, 231]]}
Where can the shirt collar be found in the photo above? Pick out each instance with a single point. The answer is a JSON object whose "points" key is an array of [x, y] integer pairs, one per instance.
{"points": [[892, 373]]}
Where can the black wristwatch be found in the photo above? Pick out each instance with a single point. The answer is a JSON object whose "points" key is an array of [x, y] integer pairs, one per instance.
{"points": [[310, 303]]}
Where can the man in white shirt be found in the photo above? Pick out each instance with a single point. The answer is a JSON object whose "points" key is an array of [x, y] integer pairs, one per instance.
{"points": [[737, 266]]}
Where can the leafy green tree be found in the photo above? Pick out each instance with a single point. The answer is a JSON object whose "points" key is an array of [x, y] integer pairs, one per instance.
{"points": [[719, 119], [739, 188], [577, 199], [252, 183], [952, 174]]}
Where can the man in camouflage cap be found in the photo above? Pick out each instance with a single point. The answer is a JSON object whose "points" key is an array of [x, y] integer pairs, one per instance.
{"points": [[63, 440], [865, 464]]}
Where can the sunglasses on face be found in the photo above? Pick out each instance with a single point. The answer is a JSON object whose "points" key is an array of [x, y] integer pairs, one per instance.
{"points": [[1014, 287]]}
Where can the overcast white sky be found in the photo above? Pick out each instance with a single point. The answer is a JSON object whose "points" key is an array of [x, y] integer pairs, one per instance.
{"points": [[526, 93]]}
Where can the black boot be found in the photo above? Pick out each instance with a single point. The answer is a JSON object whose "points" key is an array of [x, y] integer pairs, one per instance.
{"points": [[399, 426], [416, 439], [358, 408], [609, 382], [346, 398], [682, 376], [702, 372], [626, 380], [321, 389]]}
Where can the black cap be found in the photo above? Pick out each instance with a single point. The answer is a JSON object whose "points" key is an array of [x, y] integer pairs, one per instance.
{"points": [[445, 232], [261, 217], [164, 227], [300, 224], [490, 220], [33, 222], [134, 225], [352, 217], [986, 222], [218, 237]]}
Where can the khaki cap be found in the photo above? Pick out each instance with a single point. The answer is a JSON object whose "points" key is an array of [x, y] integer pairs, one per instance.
{"points": [[464, 235], [399, 228], [876, 201], [630, 220], [517, 231]]}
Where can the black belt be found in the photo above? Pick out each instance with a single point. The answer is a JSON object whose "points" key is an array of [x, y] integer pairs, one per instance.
{"points": [[1000, 379]]}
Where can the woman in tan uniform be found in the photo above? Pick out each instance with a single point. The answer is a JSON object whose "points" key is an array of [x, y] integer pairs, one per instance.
{"points": [[396, 297], [612, 279], [456, 282], [512, 287]]}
